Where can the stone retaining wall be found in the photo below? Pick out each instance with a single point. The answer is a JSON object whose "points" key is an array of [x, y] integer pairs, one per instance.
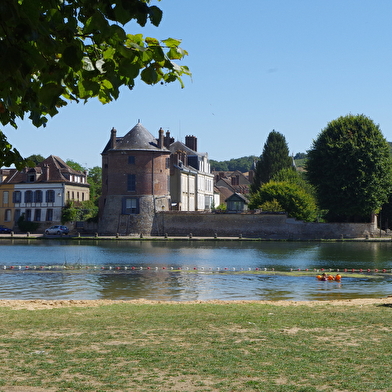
{"points": [[269, 226]]}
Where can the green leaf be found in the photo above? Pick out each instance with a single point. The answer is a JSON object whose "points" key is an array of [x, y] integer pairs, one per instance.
{"points": [[121, 14], [152, 41], [128, 69], [96, 22], [171, 42], [149, 75], [88, 88], [155, 15], [49, 94], [117, 34], [73, 56], [109, 53], [175, 54]]}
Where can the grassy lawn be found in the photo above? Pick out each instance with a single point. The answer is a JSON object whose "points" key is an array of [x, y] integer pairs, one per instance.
{"points": [[197, 347]]}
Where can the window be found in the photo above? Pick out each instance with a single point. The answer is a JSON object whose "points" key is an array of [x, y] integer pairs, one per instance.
{"points": [[37, 215], [17, 197], [130, 205], [5, 197], [50, 196], [131, 183], [31, 178], [38, 196], [49, 215], [167, 163], [131, 160], [28, 196], [28, 215], [17, 215], [7, 216]]}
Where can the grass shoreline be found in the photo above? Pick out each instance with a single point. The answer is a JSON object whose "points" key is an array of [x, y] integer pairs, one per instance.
{"points": [[197, 346]]}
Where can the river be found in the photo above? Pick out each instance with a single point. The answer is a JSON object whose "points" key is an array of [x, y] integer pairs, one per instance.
{"points": [[190, 270]]}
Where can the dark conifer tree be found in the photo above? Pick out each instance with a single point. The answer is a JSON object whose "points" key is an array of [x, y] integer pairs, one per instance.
{"points": [[274, 158]]}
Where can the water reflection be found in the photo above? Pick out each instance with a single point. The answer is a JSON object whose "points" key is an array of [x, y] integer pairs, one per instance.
{"points": [[164, 284]]}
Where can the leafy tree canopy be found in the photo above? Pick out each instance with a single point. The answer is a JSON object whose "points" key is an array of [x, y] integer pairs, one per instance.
{"points": [[56, 51], [274, 158], [94, 178], [75, 165], [350, 166], [36, 158], [300, 155], [243, 164], [291, 197], [294, 177]]}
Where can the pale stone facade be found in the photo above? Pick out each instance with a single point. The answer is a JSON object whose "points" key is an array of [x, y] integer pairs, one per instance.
{"points": [[40, 193]]}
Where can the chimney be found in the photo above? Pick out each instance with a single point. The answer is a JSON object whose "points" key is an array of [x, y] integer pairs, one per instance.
{"points": [[250, 176], [46, 172], [168, 140], [113, 138], [191, 142], [161, 139]]}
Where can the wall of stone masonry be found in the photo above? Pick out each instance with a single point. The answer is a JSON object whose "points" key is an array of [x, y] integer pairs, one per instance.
{"points": [[268, 226]]}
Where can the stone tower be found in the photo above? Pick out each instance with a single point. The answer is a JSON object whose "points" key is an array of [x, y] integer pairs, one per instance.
{"points": [[135, 182]]}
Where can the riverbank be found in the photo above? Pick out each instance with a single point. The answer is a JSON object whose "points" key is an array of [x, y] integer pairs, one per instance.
{"points": [[96, 237], [54, 304], [214, 346]]}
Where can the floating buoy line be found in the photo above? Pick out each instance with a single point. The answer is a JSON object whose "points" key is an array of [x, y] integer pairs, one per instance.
{"points": [[122, 268]]}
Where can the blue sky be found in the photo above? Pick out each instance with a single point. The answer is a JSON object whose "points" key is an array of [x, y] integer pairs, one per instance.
{"points": [[258, 65]]}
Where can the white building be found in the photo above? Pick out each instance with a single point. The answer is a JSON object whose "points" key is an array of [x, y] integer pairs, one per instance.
{"points": [[191, 181], [41, 192]]}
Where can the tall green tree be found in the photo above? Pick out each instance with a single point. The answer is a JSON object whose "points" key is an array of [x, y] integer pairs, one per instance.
{"points": [[350, 166], [274, 158], [56, 51], [94, 178]]}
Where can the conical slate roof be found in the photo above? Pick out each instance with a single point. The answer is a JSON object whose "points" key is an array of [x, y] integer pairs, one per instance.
{"points": [[138, 138]]}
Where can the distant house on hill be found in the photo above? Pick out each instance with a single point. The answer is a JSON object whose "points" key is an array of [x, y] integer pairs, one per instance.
{"points": [[231, 182]]}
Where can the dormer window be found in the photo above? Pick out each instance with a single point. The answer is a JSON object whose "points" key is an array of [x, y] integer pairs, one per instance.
{"points": [[30, 177]]}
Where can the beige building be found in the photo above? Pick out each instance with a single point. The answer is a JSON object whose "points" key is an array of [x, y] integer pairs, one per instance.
{"points": [[191, 181]]}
